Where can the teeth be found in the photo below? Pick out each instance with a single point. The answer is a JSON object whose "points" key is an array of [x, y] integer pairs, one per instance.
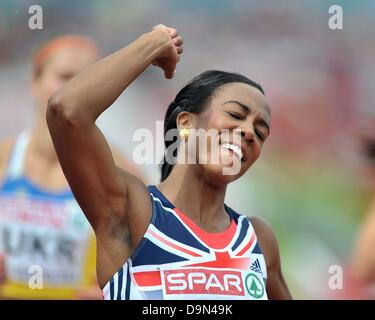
{"points": [[236, 149]]}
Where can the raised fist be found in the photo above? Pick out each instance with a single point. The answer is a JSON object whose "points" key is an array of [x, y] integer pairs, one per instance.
{"points": [[170, 56]]}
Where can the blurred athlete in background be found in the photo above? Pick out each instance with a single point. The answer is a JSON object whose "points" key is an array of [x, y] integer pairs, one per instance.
{"points": [[46, 242]]}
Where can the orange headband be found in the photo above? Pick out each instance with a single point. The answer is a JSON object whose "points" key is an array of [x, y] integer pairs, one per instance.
{"points": [[55, 45]]}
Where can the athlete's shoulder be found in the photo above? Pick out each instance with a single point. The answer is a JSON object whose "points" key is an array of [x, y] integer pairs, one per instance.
{"points": [[6, 146], [266, 238], [260, 225], [276, 285]]}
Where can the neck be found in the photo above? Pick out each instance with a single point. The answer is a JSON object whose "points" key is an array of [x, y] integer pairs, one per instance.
{"points": [[41, 143], [195, 197]]}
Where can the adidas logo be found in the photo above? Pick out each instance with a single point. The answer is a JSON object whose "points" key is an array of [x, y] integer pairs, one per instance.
{"points": [[255, 266]]}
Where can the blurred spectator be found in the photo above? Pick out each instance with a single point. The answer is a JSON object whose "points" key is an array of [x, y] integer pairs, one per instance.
{"points": [[47, 246]]}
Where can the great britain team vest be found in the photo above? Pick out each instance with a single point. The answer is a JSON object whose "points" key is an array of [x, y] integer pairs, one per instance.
{"points": [[178, 260]]}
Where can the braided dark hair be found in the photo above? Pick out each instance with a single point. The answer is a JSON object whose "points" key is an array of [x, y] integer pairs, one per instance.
{"points": [[194, 98]]}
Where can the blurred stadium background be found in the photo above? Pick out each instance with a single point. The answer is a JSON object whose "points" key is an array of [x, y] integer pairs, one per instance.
{"points": [[310, 183]]}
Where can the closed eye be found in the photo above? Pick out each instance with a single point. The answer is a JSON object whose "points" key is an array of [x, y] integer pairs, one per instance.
{"points": [[66, 76], [235, 115], [259, 134]]}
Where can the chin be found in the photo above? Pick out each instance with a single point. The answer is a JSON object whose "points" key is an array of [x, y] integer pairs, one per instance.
{"points": [[213, 173]]}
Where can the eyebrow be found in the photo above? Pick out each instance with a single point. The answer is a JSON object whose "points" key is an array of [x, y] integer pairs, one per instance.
{"points": [[248, 109]]}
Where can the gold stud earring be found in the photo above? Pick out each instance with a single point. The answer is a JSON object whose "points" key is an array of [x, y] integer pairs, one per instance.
{"points": [[184, 134]]}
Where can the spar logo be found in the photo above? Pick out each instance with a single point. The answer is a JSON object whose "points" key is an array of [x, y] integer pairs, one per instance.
{"points": [[203, 281], [254, 286]]}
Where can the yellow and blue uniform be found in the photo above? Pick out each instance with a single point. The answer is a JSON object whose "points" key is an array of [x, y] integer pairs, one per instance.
{"points": [[48, 244]]}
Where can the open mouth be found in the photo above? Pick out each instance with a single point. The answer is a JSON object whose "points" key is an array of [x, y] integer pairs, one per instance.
{"points": [[235, 149]]}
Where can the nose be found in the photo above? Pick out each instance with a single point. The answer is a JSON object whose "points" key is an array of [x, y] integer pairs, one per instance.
{"points": [[248, 134]]}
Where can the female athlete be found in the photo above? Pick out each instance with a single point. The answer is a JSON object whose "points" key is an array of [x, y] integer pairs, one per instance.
{"points": [[178, 239], [47, 247]]}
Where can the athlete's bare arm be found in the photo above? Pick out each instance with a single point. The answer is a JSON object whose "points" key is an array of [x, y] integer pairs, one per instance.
{"points": [[277, 288], [115, 202], [362, 262]]}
